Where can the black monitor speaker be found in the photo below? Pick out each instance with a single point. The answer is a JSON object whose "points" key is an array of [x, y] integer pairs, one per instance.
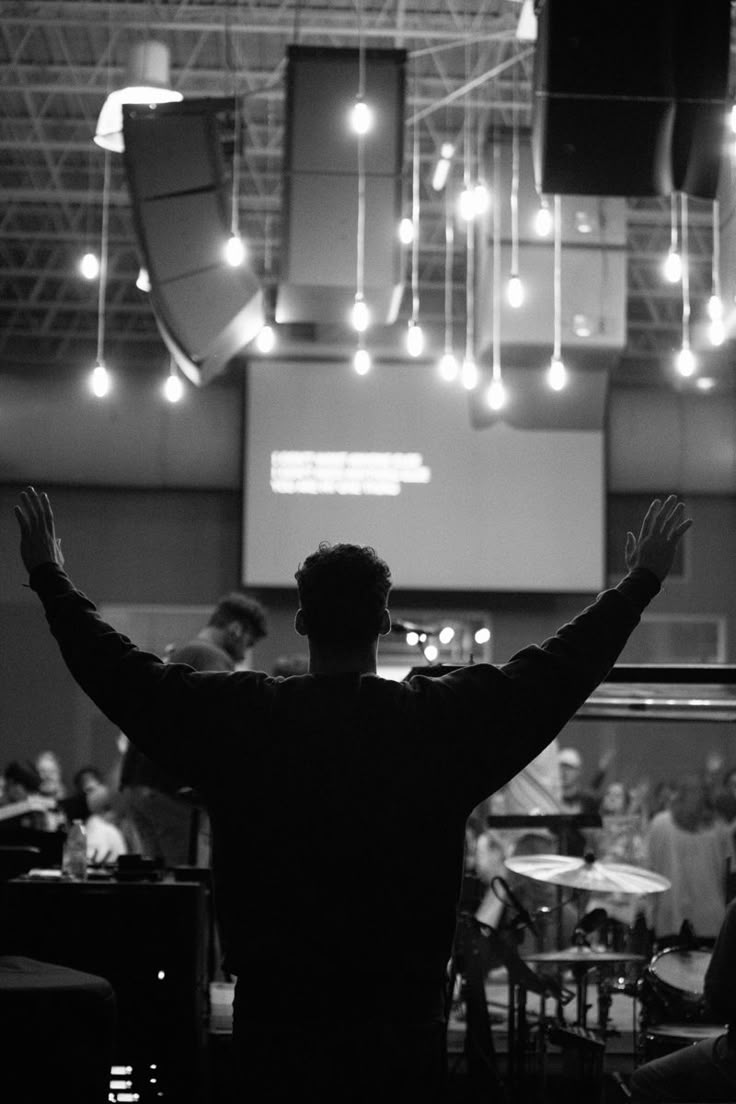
{"points": [[320, 197]]}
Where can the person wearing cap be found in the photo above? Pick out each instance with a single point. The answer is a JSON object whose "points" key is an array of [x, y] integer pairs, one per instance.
{"points": [[574, 799]]}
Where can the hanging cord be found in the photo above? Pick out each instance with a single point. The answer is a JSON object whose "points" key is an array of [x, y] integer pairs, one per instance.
{"points": [[496, 369], [685, 273], [104, 234], [360, 242], [515, 184], [449, 258], [557, 281], [415, 213]]}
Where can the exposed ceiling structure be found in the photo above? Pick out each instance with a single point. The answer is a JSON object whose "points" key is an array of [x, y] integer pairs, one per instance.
{"points": [[60, 58]]}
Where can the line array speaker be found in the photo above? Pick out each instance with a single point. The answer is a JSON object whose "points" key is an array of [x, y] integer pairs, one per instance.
{"points": [[206, 311]]}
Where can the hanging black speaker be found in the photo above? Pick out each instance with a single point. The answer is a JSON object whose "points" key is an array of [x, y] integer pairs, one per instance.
{"points": [[320, 197], [630, 97], [206, 310]]}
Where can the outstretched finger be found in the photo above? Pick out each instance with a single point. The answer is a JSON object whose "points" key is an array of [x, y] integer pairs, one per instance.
{"points": [[668, 507], [46, 511], [22, 520], [681, 528], [672, 517], [650, 518], [30, 501]]}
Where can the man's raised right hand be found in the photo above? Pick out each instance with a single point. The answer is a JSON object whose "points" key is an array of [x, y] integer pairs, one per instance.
{"points": [[661, 530]]}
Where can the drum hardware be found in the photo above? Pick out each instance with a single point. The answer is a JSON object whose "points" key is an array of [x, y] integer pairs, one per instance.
{"points": [[662, 1039]]}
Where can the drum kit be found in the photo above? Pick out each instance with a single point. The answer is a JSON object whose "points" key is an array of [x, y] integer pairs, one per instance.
{"points": [[670, 987]]}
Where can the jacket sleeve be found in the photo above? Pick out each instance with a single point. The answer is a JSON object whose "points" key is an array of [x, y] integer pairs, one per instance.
{"points": [[168, 710], [512, 712], [719, 978]]}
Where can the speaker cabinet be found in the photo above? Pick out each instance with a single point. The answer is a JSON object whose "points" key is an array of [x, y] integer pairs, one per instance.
{"points": [[206, 311], [320, 204], [150, 941], [630, 97]]}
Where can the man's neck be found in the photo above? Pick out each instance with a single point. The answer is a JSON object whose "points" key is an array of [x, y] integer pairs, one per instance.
{"points": [[341, 661]]}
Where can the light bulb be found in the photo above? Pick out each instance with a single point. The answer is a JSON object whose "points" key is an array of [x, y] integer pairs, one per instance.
{"points": [[362, 361], [482, 636], [173, 388], [481, 198], [469, 374], [89, 266], [672, 267], [406, 231], [466, 204], [448, 367], [361, 117], [412, 639], [447, 634], [543, 221], [266, 339], [496, 396], [705, 383], [583, 222], [717, 332], [685, 361], [431, 652], [360, 315], [581, 325], [414, 340], [143, 282], [715, 308], [557, 374], [235, 250], [99, 380], [515, 292], [440, 174]]}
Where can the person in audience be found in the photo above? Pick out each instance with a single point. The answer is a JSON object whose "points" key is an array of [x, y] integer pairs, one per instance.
{"points": [[690, 846], [575, 800], [354, 944], [288, 665], [160, 810], [725, 798], [105, 842], [24, 805], [49, 770], [704, 1071]]}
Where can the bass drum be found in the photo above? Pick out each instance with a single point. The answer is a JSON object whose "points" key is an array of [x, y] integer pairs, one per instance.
{"points": [[667, 1038], [672, 988]]}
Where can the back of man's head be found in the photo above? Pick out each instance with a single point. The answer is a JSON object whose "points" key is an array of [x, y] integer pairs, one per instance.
{"points": [[343, 590], [243, 609]]}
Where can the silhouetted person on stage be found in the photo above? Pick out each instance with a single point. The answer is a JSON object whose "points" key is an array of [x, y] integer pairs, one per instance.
{"points": [[704, 1071], [340, 945], [160, 807]]}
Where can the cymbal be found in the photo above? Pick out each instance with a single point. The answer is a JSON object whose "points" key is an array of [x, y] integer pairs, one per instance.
{"points": [[588, 873], [583, 956]]}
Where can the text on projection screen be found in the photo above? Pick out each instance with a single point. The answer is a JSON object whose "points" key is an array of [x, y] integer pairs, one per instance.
{"points": [[395, 464]]}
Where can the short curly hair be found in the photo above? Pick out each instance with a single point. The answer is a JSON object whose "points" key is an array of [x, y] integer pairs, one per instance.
{"points": [[239, 607], [343, 590]]}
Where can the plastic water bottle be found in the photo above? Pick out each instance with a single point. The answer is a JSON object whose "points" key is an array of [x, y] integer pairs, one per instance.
{"points": [[74, 862]]}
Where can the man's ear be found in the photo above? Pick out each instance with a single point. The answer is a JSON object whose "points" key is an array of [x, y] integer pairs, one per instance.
{"points": [[299, 623], [385, 628]]}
